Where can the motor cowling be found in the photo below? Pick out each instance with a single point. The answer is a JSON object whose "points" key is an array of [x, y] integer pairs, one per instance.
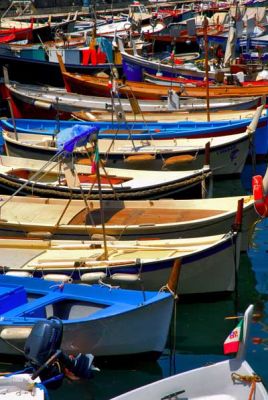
{"points": [[43, 355], [43, 341]]}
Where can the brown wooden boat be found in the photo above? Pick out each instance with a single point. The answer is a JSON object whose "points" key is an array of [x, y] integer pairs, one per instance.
{"points": [[125, 220], [100, 86], [247, 89], [86, 84]]}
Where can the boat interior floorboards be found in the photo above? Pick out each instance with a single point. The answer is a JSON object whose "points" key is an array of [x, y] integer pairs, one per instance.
{"points": [[136, 216]]}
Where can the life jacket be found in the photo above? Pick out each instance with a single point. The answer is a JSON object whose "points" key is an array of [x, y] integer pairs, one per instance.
{"points": [[93, 56]]}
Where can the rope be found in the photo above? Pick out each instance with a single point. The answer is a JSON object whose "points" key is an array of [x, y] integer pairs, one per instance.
{"points": [[253, 379], [120, 195]]}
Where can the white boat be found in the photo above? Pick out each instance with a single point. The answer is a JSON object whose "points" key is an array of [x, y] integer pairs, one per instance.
{"points": [[20, 386], [124, 220], [97, 319], [208, 264], [232, 379], [227, 154], [37, 177], [50, 99]]}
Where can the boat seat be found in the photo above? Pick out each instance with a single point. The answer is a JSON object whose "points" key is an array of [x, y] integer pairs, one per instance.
{"points": [[74, 309], [38, 310]]}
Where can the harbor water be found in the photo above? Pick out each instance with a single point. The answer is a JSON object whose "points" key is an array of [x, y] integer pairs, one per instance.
{"points": [[199, 327]]}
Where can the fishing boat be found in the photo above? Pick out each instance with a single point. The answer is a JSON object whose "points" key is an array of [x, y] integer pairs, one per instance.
{"points": [[96, 319], [34, 67], [135, 65], [38, 101], [58, 179], [191, 126], [247, 88], [229, 379], [21, 386], [226, 154], [85, 84], [124, 220], [132, 264], [32, 32]]}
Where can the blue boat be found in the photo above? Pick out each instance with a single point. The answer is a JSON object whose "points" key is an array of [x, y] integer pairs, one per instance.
{"points": [[140, 130], [97, 319]]}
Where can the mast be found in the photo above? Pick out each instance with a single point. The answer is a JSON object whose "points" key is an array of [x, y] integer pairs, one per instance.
{"points": [[97, 166], [205, 25]]}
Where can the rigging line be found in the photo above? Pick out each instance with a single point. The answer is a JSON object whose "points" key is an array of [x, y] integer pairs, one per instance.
{"points": [[33, 177]]}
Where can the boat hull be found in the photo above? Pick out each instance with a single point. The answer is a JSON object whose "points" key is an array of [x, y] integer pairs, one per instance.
{"points": [[201, 273], [96, 320], [160, 219]]}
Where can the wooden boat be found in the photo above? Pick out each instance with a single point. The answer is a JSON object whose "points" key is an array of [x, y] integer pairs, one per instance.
{"points": [[96, 319], [34, 177], [229, 379], [248, 88], [135, 65], [124, 27], [31, 70], [230, 123], [227, 154], [131, 264], [124, 220], [21, 386], [37, 101], [32, 32], [89, 84]]}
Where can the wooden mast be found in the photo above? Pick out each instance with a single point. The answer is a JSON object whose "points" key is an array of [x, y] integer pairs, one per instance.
{"points": [[206, 65], [97, 163]]}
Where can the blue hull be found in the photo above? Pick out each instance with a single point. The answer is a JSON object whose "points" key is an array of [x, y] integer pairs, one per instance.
{"points": [[150, 130]]}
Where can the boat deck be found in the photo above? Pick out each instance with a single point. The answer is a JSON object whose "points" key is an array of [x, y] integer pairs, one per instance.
{"points": [[141, 216]]}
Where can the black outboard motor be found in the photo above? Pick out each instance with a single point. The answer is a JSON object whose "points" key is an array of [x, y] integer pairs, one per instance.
{"points": [[43, 354]]}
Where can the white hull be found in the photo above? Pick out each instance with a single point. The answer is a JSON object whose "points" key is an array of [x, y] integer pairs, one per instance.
{"points": [[113, 335], [20, 386], [208, 383], [220, 381], [227, 153], [51, 215], [201, 271]]}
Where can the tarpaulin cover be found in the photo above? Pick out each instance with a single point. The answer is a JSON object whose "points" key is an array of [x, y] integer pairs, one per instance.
{"points": [[70, 138]]}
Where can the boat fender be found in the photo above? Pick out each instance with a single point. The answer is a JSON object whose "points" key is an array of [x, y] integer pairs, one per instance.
{"points": [[178, 160], [15, 333], [126, 277], [92, 276], [42, 104], [39, 235], [137, 158], [260, 199], [58, 278], [21, 274]]}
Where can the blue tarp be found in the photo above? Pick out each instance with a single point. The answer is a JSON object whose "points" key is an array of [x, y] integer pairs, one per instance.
{"points": [[70, 138]]}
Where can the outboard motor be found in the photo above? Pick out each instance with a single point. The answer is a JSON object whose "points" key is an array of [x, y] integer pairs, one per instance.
{"points": [[43, 354]]}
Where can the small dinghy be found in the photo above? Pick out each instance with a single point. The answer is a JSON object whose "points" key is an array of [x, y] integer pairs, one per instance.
{"points": [[132, 264], [98, 319], [232, 379]]}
